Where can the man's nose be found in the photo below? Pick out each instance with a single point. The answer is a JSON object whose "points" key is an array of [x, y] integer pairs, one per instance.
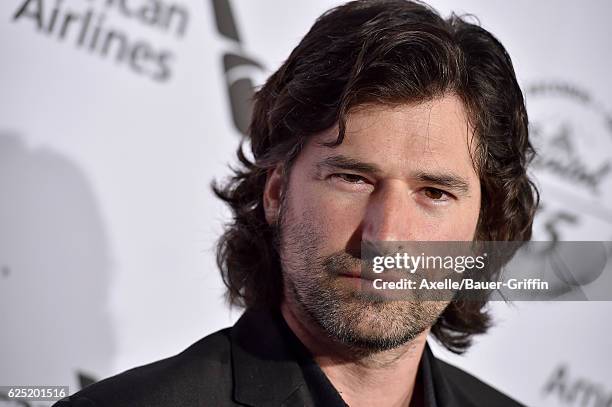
{"points": [[390, 214]]}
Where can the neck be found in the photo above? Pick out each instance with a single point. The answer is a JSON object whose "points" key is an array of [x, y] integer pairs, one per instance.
{"points": [[385, 378]]}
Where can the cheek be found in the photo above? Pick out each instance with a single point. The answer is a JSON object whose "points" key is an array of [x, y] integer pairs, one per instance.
{"points": [[336, 217], [456, 223], [462, 226]]}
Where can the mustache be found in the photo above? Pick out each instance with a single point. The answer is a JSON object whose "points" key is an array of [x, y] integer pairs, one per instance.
{"points": [[343, 263], [360, 263], [350, 259], [340, 262]]}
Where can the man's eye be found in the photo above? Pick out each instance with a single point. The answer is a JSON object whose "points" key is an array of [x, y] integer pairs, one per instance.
{"points": [[435, 194], [350, 178]]}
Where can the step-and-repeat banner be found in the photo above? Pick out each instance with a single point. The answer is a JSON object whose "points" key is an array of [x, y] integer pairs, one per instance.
{"points": [[117, 114]]}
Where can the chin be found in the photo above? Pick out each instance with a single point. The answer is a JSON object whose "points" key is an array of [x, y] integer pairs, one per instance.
{"points": [[378, 326]]}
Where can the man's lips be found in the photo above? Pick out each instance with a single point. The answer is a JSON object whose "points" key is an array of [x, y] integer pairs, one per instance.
{"points": [[357, 274], [369, 275], [361, 272]]}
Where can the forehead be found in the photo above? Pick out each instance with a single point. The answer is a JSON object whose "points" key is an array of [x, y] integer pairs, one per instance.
{"points": [[403, 138]]}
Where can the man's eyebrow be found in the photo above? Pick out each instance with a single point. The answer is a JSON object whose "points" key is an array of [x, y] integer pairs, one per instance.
{"points": [[347, 163], [447, 180]]}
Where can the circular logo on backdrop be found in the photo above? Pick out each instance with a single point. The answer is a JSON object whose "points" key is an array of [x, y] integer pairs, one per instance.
{"points": [[572, 133]]}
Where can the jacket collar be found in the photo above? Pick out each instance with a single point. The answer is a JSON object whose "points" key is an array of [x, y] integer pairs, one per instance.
{"points": [[437, 389], [266, 371]]}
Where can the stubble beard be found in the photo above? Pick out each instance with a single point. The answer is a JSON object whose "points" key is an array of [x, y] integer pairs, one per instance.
{"points": [[346, 313]]}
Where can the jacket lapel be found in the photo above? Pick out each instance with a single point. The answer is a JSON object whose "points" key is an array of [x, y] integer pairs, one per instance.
{"points": [[265, 370], [439, 391]]}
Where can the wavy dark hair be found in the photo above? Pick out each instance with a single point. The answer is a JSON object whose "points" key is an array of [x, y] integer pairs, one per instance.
{"points": [[380, 52]]}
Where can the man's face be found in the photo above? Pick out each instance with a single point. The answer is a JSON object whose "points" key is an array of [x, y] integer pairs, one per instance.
{"points": [[401, 173]]}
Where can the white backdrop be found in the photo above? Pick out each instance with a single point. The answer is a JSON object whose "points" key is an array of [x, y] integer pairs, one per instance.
{"points": [[107, 221]]}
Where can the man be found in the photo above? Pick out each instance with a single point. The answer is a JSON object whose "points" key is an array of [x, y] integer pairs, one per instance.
{"points": [[385, 124]]}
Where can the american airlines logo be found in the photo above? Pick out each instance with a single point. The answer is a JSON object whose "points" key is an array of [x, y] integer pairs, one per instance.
{"points": [[238, 67]]}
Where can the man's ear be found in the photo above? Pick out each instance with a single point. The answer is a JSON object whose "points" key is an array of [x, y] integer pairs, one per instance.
{"points": [[273, 193]]}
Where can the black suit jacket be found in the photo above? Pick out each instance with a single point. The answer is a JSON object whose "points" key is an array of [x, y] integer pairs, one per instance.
{"points": [[259, 362]]}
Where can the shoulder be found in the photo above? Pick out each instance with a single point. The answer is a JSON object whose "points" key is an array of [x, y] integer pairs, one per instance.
{"points": [[200, 375], [472, 391]]}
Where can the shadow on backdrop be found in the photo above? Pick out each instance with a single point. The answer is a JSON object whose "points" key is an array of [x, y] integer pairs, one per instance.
{"points": [[55, 271]]}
